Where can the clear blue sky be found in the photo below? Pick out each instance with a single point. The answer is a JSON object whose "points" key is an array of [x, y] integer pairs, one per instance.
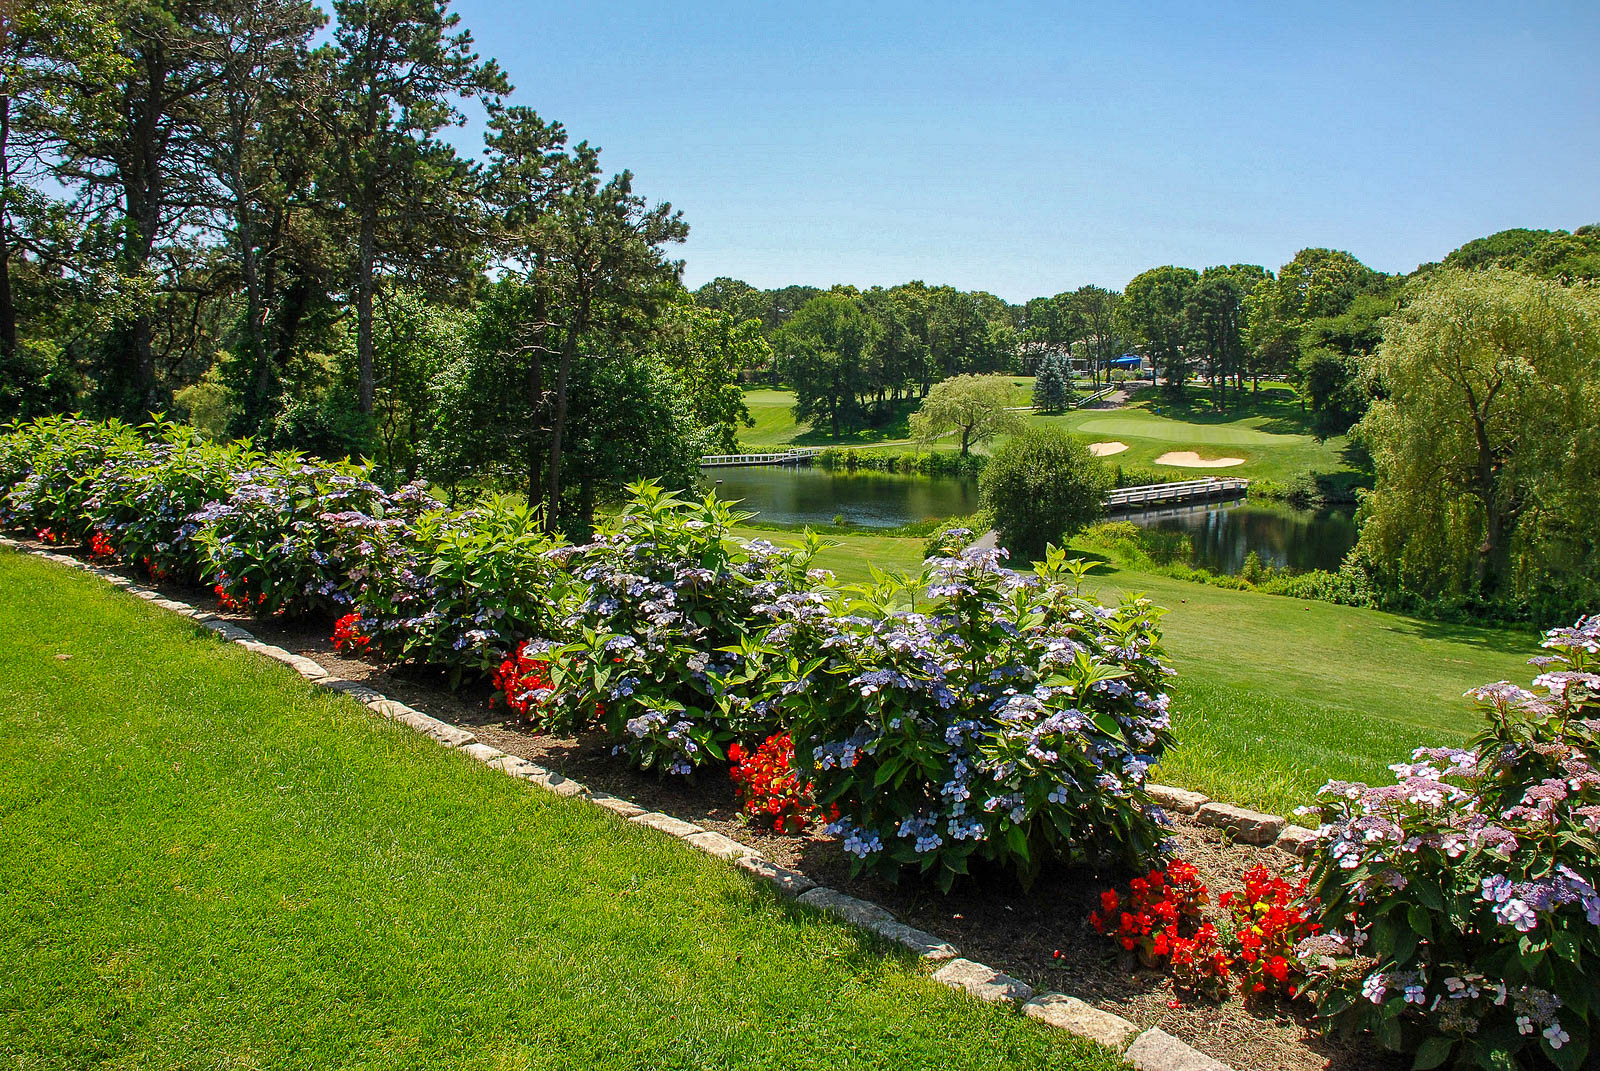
{"points": [[1029, 148]]}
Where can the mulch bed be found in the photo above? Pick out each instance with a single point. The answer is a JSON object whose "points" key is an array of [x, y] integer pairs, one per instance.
{"points": [[1039, 935]]}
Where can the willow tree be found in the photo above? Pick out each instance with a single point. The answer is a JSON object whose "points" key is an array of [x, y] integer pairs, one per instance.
{"points": [[976, 407], [1484, 445]]}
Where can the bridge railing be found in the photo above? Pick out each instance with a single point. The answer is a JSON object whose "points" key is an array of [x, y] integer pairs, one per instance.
{"points": [[774, 457], [1176, 492]]}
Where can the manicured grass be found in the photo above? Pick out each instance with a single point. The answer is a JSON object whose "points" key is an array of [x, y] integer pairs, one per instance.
{"points": [[1268, 431], [206, 863], [1274, 696]]}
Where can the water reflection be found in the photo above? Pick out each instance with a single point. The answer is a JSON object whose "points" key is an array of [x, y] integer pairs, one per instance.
{"points": [[1219, 534], [870, 499]]}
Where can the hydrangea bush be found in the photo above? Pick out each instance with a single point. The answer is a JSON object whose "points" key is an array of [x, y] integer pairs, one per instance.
{"points": [[659, 643], [145, 500], [973, 711], [458, 591], [48, 469], [278, 538], [1463, 895]]}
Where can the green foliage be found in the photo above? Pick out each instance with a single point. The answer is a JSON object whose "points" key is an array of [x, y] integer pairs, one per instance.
{"points": [[1483, 446], [921, 463], [1553, 254], [1464, 896], [975, 407], [1153, 314], [1014, 728], [1041, 487], [705, 350], [1052, 384], [825, 347], [956, 534]]}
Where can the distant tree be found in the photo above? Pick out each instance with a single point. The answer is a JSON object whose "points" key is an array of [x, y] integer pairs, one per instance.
{"points": [[705, 349], [1483, 445], [825, 347], [1316, 283], [1215, 309], [1043, 486], [975, 406], [1153, 313], [1331, 349], [1094, 314], [1052, 384], [1554, 254]]}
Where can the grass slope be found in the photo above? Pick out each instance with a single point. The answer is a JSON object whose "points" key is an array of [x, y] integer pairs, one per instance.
{"points": [[1274, 696], [207, 863], [1269, 432]]}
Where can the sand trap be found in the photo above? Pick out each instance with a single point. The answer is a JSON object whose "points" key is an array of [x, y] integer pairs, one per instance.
{"points": [[1106, 449], [1191, 460]]}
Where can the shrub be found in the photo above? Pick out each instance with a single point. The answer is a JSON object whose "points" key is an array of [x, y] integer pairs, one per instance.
{"points": [[661, 636], [1005, 717], [145, 499], [1465, 893], [277, 540], [48, 469], [1042, 487], [955, 535], [459, 591]]}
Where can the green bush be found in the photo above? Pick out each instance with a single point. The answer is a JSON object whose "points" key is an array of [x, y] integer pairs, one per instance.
{"points": [[956, 534], [1462, 899], [1043, 486]]}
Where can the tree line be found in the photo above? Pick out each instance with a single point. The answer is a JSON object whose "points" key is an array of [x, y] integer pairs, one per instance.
{"points": [[852, 356]]}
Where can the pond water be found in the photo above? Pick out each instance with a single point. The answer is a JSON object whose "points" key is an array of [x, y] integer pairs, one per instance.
{"points": [[1220, 534], [808, 495]]}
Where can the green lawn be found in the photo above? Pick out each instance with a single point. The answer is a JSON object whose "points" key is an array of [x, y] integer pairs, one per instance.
{"points": [[207, 863], [1270, 433], [1274, 696]]}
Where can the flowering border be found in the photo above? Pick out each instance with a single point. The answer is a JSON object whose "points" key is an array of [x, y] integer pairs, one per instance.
{"points": [[1147, 1050]]}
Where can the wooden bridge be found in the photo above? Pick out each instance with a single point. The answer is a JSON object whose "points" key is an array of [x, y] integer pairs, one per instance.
{"points": [[799, 455], [1162, 494]]}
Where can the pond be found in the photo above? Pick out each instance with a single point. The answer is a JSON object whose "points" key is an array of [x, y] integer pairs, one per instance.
{"points": [[1220, 533], [808, 495]]}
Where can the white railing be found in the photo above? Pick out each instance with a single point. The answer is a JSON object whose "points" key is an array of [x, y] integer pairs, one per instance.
{"points": [[1153, 493], [777, 457], [1096, 396]]}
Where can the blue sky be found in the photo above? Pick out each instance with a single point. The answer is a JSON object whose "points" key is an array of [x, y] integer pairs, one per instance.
{"points": [[1029, 148]]}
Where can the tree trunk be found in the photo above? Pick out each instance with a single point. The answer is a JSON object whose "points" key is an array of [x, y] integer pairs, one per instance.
{"points": [[966, 434], [364, 271], [8, 309]]}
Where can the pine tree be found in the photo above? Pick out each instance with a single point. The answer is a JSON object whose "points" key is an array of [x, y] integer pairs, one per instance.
{"points": [[1050, 386]]}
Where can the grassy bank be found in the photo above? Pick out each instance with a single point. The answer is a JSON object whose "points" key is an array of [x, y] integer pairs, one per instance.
{"points": [[207, 863], [1274, 696]]}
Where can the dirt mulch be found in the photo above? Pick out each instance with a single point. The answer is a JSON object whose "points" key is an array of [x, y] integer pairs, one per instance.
{"points": [[992, 919]]}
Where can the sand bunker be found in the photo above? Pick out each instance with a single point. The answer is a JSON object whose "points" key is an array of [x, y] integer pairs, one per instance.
{"points": [[1106, 449], [1191, 460]]}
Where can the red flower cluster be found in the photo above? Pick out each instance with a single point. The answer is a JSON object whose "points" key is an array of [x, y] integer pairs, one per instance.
{"points": [[1269, 918], [236, 603], [519, 675], [100, 548], [50, 537], [1163, 920], [347, 637], [152, 570], [770, 792]]}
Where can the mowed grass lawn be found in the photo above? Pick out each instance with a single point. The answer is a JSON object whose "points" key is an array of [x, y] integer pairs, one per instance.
{"points": [[1270, 433], [1275, 696], [206, 863]]}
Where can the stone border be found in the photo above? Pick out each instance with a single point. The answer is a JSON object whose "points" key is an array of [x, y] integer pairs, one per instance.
{"points": [[1146, 1050]]}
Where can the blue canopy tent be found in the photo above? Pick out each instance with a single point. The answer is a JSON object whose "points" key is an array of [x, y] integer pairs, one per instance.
{"points": [[1127, 360]]}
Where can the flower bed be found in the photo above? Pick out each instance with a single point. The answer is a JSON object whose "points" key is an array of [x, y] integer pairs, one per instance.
{"points": [[967, 712]]}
